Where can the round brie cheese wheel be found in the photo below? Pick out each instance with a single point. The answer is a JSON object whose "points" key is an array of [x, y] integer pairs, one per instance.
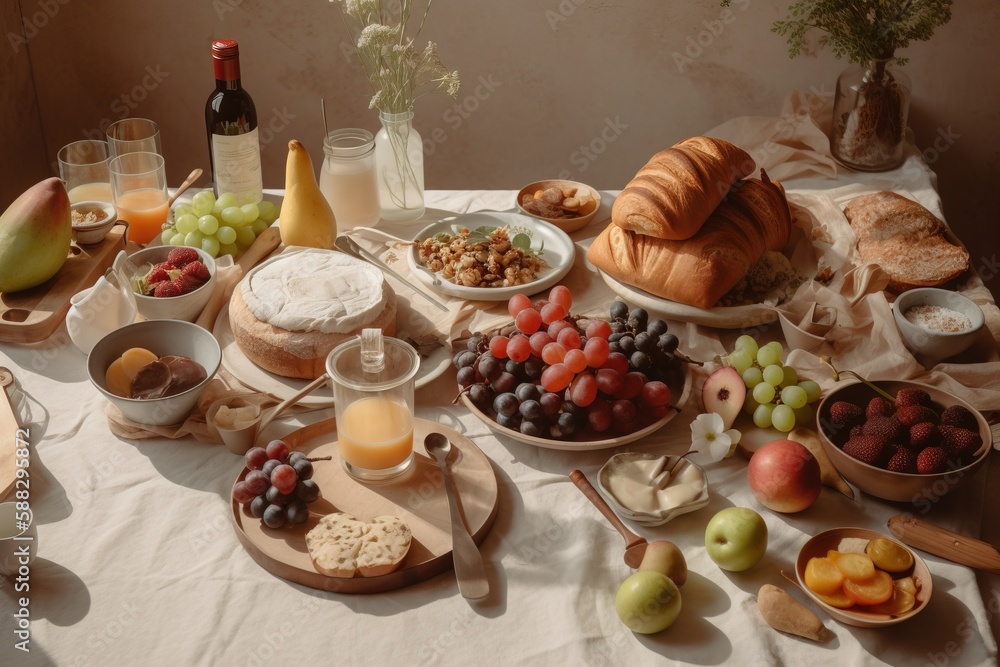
{"points": [[288, 313]]}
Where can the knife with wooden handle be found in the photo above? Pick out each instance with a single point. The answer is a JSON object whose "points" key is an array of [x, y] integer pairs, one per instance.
{"points": [[944, 543]]}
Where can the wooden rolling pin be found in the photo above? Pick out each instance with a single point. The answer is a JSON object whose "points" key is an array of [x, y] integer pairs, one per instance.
{"points": [[262, 246]]}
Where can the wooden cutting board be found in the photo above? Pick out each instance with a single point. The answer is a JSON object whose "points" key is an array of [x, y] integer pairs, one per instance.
{"points": [[34, 314], [417, 497], [9, 431]]}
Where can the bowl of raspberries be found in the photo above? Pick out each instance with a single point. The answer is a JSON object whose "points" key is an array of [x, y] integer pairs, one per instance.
{"points": [[915, 447], [173, 282]]}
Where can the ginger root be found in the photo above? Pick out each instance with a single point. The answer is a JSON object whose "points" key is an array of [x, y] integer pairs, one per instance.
{"points": [[782, 612]]}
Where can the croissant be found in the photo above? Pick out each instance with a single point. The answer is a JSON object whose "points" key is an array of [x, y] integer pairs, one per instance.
{"points": [[700, 270], [672, 196]]}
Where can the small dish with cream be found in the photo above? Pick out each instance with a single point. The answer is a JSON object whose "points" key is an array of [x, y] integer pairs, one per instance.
{"points": [[936, 324], [652, 489]]}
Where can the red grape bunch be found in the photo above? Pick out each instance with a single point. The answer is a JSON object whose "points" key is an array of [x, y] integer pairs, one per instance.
{"points": [[278, 486], [552, 375]]}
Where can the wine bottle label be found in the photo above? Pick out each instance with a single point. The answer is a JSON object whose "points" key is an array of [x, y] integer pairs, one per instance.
{"points": [[236, 166]]}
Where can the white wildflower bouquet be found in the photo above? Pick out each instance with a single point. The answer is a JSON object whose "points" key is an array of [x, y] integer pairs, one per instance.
{"points": [[398, 73]]}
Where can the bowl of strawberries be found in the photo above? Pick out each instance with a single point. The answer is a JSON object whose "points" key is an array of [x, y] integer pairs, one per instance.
{"points": [[172, 282], [902, 441]]}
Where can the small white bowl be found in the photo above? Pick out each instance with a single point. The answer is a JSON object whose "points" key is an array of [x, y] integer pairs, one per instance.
{"points": [[657, 518], [186, 307], [92, 233], [568, 225], [928, 345], [161, 337], [859, 616]]}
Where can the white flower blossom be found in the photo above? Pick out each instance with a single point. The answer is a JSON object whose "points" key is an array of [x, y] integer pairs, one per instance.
{"points": [[708, 432], [453, 83], [356, 7], [376, 34], [398, 72]]}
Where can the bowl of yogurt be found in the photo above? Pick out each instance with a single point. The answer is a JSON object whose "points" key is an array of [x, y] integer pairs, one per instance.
{"points": [[936, 324], [652, 489]]}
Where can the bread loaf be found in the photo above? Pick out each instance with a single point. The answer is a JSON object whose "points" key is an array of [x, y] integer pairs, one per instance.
{"points": [[905, 239], [341, 545], [290, 312], [672, 196], [698, 271]]}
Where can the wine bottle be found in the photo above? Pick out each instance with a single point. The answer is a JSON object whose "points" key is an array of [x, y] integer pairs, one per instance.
{"points": [[231, 119]]}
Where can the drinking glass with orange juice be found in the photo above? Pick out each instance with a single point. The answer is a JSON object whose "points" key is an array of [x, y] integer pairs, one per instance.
{"points": [[373, 393], [139, 186]]}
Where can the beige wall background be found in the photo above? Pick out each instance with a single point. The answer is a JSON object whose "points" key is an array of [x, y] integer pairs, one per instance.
{"points": [[588, 88]]}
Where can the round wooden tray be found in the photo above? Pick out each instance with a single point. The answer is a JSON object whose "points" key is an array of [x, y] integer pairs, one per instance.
{"points": [[417, 497]]}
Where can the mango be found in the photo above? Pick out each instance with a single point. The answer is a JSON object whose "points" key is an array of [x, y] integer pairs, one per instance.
{"points": [[35, 234]]}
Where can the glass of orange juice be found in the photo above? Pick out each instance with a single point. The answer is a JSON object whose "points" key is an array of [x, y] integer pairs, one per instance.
{"points": [[139, 185], [83, 167], [373, 393]]}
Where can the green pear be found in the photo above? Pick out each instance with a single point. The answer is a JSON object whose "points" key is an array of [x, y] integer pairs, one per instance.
{"points": [[664, 556], [35, 233]]}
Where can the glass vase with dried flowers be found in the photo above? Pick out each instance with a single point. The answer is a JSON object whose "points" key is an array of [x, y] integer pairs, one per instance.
{"points": [[873, 95], [399, 74]]}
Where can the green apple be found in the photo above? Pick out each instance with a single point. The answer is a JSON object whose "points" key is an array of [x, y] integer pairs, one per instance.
{"points": [[648, 602], [736, 538]]}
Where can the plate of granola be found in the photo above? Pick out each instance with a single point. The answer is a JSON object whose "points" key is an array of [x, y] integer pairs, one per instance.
{"points": [[490, 256]]}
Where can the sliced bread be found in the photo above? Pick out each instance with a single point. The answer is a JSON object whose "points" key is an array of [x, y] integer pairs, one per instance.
{"points": [[906, 240], [342, 545]]}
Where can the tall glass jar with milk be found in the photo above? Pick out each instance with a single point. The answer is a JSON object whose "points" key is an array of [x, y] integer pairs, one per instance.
{"points": [[348, 178]]}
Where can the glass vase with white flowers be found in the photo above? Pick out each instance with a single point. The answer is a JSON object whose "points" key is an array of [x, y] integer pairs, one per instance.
{"points": [[399, 73]]}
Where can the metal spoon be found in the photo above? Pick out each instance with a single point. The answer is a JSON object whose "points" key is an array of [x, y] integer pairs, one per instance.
{"points": [[635, 545], [469, 569], [192, 177]]}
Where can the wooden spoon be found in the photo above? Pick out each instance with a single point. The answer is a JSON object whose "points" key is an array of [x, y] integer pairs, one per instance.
{"points": [[192, 177], [635, 545]]}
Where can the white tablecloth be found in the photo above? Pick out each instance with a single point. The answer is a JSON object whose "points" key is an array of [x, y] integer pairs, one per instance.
{"points": [[138, 563]]}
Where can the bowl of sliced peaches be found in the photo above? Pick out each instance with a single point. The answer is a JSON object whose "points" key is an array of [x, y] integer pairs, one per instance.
{"points": [[863, 578], [155, 371]]}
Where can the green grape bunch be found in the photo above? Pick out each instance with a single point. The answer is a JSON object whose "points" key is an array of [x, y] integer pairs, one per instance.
{"points": [[775, 394], [218, 226]]}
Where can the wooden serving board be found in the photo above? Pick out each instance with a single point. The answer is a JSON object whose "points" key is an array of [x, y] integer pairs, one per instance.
{"points": [[34, 314], [9, 432], [417, 497]]}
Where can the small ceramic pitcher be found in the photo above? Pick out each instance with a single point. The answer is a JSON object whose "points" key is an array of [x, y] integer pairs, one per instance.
{"points": [[98, 311]]}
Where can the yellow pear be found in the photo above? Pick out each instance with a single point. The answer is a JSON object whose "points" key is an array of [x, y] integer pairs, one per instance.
{"points": [[306, 216], [35, 233]]}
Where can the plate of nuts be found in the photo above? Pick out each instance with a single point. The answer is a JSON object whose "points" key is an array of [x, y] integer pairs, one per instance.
{"points": [[568, 205], [490, 256]]}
